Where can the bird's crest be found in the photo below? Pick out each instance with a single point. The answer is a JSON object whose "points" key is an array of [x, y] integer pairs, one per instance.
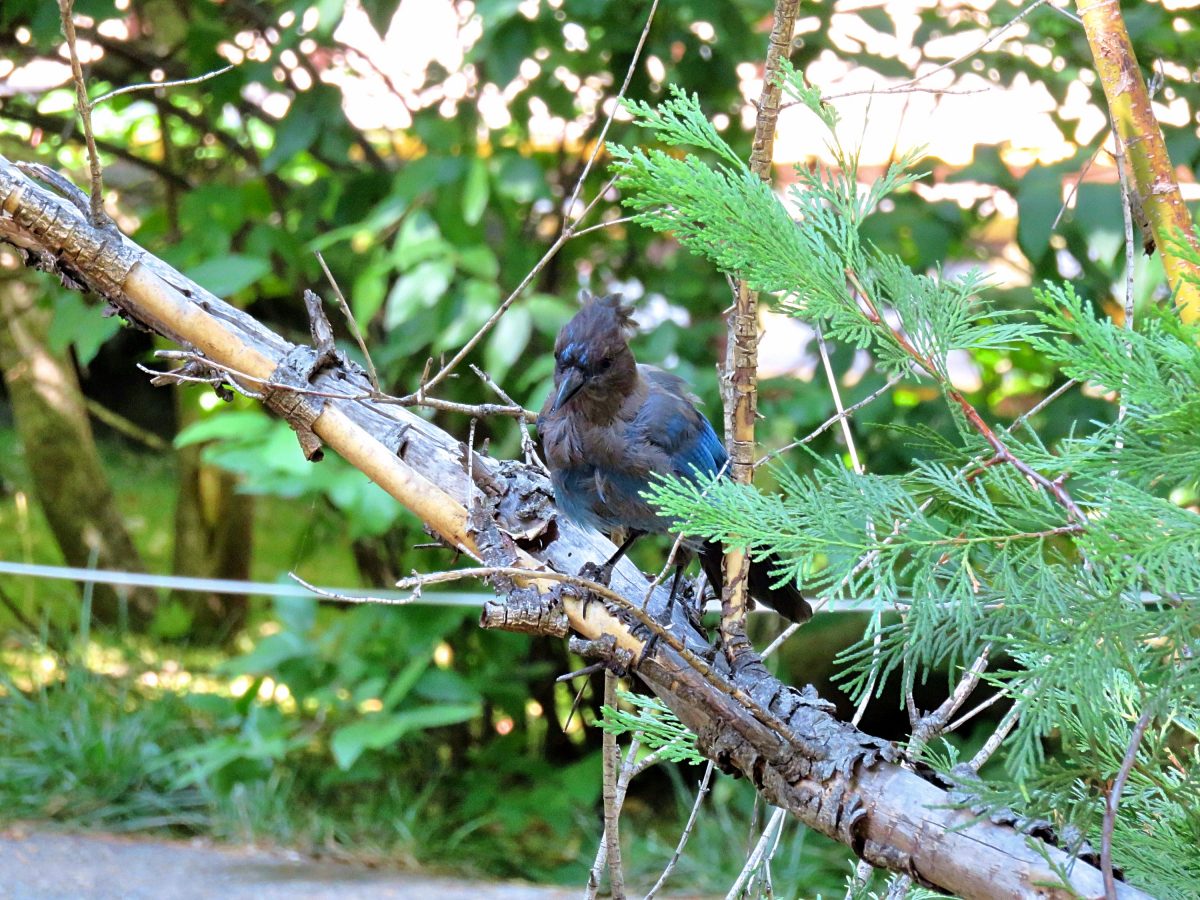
{"points": [[607, 312]]}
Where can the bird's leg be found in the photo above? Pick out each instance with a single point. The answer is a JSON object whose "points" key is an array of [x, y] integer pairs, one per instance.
{"points": [[674, 589], [653, 639], [603, 574]]}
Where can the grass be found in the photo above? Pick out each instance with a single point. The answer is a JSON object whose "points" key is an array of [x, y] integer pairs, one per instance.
{"points": [[109, 731]]}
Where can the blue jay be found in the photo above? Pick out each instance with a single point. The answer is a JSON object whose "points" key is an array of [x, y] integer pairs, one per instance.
{"points": [[610, 424]]}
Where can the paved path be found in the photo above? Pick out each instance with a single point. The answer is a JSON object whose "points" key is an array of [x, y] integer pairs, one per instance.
{"points": [[40, 866]]}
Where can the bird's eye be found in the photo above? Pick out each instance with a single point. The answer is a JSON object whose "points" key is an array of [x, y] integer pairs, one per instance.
{"points": [[605, 363]]}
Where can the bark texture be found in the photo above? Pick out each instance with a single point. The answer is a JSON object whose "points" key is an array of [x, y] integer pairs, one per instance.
{"points": [[846, 784], [1138, 129], [69, 480], [741, 394]]}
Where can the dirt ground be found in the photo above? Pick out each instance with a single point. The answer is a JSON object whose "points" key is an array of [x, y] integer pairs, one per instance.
{"points": [[44, 866]]}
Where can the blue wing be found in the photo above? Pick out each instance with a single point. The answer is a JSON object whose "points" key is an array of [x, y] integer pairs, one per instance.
{"points": [[671, 423]]}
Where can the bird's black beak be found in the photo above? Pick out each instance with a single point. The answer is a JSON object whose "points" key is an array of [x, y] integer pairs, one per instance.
{"points": [[572, 381]]}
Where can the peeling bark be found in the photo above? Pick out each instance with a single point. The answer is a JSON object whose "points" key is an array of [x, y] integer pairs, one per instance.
{"points": [[846, 784]]}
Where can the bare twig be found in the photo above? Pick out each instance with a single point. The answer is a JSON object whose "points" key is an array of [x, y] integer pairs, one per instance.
{"points": [[98, 216], [759, 854], [479, 410], [1055, 488], [833, 420], [992, 744], [612, 835], [856, 463], [976, 710], [602, 225], [151, 85], [630, 769], [991, 37], [637, 55], [495, 317], [894, 89], [740, 380], [697, 662], [372, 375], [687, 833], [1113, 800], [352, 598], [119, 423], [930, 726], [527, 444]]}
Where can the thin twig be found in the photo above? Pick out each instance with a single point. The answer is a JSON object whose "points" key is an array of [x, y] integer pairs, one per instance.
{"points": [[527, 444], [833, 420], [992, 744], [17, 613], [697, 662], [151, 85], [372, 375], [976, 710], [637, 54], [1055, 488], [479, 410], [991, 37], [495, 317], [1113, 800], [758, 854], [352, 598], [119, 423], [930, 726], [687, 833], [856, 464], [630, 769], [602, 225], [895, 89], [612, 834], [98, 217]]}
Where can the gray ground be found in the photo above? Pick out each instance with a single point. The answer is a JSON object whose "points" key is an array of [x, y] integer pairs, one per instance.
{"points": [[39, 866]]}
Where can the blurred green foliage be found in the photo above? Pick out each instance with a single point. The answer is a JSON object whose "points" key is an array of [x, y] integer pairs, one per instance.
{"points": [[448, 742]]}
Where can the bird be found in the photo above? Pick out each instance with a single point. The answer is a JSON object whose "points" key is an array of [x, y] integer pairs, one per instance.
{"points": [[611, 424]]}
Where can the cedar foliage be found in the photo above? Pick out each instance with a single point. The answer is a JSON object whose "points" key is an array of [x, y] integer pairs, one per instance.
{"points": [[1094, 610]]}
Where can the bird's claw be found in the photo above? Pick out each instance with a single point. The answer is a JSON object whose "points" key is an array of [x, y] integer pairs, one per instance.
{"points": [[599, 574]]}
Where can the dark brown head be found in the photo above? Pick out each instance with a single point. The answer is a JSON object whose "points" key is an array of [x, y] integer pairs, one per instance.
{"points": [[592, 360]]}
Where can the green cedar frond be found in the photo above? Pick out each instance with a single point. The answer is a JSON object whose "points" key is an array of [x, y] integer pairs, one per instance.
{"points": [[657, 727], [1095, 620]]}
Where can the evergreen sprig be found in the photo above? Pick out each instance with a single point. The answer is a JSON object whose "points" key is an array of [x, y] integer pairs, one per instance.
{"points": [[656, 726], [1095, 605]]}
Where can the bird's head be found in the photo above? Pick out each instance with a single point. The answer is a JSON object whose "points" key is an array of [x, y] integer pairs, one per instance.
{"points": [[592, 356]]}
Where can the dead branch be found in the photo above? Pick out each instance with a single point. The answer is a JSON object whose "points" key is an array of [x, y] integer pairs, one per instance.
{"points": [[835, 779], [740, 379]]}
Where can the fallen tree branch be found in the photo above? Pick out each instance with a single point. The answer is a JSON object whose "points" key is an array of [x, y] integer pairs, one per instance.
{"points": [[832, 777]]}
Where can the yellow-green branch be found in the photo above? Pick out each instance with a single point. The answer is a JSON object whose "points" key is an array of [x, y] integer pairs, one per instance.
{"points": [[1139, 132]]}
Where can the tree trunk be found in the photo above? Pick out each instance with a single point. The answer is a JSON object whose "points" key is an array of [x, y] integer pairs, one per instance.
{"points": [[64, 464], [214, 530]]}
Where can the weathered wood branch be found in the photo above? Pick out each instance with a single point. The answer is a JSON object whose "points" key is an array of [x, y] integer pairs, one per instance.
{"points": [[846, 784]]}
